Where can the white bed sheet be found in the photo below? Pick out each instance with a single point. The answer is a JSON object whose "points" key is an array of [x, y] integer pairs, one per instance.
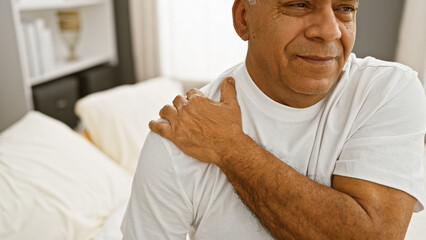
{"points": [[54, 184]]}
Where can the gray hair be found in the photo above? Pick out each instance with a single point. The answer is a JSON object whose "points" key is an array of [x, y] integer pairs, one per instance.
{"points": [[252, 2]]}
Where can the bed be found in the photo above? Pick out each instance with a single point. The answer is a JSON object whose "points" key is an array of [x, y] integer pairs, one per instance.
{"points": [[56, 183]]}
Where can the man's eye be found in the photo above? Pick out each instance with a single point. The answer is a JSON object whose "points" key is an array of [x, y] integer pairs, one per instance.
{"points": [[296, 8], [299, 5], [348, 9]]}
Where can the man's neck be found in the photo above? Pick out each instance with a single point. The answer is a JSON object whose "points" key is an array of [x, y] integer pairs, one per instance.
{"points": [[277, 90]]}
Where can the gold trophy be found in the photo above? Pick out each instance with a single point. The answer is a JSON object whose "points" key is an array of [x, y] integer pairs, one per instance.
{"points": [[69, 24]]}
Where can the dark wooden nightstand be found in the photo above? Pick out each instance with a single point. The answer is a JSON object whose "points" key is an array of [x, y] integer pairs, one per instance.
{"points": [[57, 99]]}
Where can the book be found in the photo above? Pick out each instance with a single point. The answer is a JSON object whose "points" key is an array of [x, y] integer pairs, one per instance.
{"points": [[39, 27], [45, 46], [39, 47], [47, 49], [31, 49]]}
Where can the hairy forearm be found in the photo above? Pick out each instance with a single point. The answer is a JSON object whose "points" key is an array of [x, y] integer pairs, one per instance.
{"points": [[288, 204]]}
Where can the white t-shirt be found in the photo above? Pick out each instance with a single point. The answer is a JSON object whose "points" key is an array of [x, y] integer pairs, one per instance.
{"points": [[371, 126]]}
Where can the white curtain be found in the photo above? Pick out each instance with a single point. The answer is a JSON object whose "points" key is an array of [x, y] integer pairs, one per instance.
{"points": [[144, 28], [197, 39], [412, 37]]}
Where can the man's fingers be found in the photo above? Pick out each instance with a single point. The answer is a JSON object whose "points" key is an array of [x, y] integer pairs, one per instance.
{"points": [[163, 129], [228, 92], [194, 93], [179, 101], [168, 112]]}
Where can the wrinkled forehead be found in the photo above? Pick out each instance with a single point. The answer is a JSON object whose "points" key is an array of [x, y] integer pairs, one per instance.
{"points": [[252, 2]]}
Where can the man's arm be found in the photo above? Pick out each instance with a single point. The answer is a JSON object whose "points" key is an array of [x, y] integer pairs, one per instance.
{"points": [[159, 207], [290, 205]]}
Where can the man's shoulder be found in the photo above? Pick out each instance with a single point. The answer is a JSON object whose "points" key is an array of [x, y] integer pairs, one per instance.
{"points": [[373, 86], [161, 157], [161, 144], [377, 64], [167, 154], [212, 90], [372, 69], [371, 75]]}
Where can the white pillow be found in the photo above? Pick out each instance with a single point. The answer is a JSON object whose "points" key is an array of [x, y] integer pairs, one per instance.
{"points": [[117, 119], [54, 184]]}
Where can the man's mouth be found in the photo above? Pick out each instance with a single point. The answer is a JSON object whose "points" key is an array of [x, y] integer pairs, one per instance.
{"points": [[317, 60]]}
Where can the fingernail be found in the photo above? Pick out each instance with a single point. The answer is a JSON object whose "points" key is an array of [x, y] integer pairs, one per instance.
{"points": [[231, 80]]}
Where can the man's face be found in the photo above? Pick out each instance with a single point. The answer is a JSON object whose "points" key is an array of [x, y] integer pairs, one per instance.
{"points": [[302, 45]]}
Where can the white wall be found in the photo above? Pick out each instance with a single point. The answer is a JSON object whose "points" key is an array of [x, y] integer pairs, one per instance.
{"points": [[197, 39], [13, 91], [412, 39], [378, 24]]}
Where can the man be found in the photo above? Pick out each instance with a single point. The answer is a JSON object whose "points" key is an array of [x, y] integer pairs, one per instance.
{"points": [[316, 143]]}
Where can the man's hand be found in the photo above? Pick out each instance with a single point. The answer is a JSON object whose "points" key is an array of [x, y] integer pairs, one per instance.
{"points": [[200, 127]]}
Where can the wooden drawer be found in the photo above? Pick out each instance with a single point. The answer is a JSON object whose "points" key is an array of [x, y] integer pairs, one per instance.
{"points": [[57, 99]]}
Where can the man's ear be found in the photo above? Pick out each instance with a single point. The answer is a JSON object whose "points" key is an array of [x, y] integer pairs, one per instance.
{"points": [[239, 11]]}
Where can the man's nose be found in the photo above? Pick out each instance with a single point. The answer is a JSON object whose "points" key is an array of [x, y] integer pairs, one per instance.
{"points": [[324, 26]]}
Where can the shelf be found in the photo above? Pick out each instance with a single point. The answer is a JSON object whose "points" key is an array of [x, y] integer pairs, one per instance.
{"points": [[27, 5], [64, 68], [96, 46]]}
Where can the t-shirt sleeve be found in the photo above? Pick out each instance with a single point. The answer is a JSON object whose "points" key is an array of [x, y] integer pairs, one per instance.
{"points": [[159, 207], [388, 148]]}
